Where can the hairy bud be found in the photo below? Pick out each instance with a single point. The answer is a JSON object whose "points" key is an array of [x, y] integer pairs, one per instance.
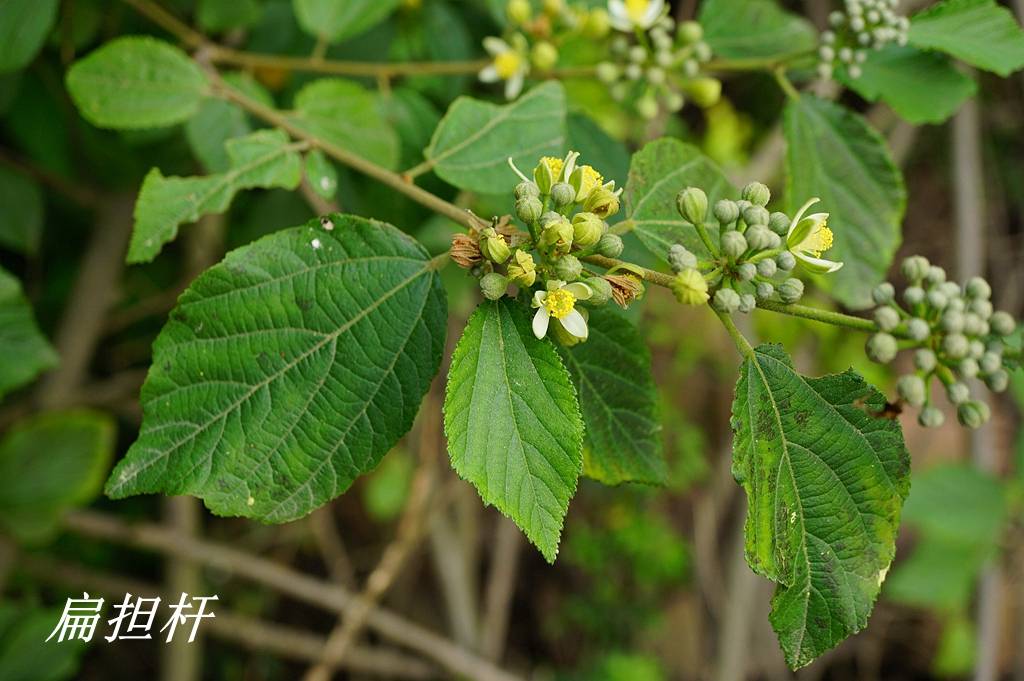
{"points": [[610, 245], [493, 285], [734, 244], [528, 209], [726, 211], [791, 290], [726, 300], [887, 318], [679, 258], [689, 287], [912, 390], [587, 229], [881, 348], [757, 193], [692, 204]]}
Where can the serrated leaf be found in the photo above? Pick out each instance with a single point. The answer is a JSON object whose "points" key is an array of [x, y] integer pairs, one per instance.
{"points": [[825, 476], [335, 20], [738, 29], [833, 153], [136, 82], [21, 212], [657, 173], [346, 114], [472, 144], [288, 370], [24, 25], [265, 158], [513, 423], [219, 120], [48, 464], [979, 32], [321, 174], [612, 375], [922, 87], [26, 351]]}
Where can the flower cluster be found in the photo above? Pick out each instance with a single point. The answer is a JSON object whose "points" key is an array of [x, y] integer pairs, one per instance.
{"points": [[564, 206], [755, 254], [533, 40], [865, 24], [654, 68], [955, 334]]}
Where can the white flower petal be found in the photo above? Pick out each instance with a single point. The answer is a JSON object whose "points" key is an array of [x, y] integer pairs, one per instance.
{"points": [[800, 214], [617, 9], [538, 298], [540, 322], [579, 290], [514, 85], [495, 46], [653, 13], [818, 265], [489, 74], [574, 323]]}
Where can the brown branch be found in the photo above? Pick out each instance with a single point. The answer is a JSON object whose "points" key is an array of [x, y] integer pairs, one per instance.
{"points": [[501, 586]]}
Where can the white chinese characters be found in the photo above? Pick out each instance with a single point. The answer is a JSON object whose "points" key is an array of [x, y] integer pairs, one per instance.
{"points": [[133, 618]]}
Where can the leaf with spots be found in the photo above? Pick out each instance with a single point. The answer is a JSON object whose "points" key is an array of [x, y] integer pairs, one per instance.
{"points": [[288, 370], [513, 423], [826, 477]]}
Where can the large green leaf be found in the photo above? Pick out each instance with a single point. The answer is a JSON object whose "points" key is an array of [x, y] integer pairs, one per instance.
{"points": [[288, 370], [335, 20], [472, 145], [738, 29], [26, 351], [219, 120], [513, 423], [922, 87], [24, 25], [606, 154], [136, 82], [21, 212], [825, 476], [833, 153], [347, 114], [612, 375], [657, 173], [980, 32], [265, 158], [50, 463]]}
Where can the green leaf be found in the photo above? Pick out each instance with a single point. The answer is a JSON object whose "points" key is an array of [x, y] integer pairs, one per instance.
{"points": [[612, 375], [834, 154], [922, 87], [223, 15], [321, 174], [136, 83], [606, 154], [26, 351], [414, 118], [265, 158], [513, 423], [24, 25], [48, 464], [657, 173], [979, 32], [748, 29], [472, 144], [335, 20], [21, 212], [348, 115], [825, 477], [288, 370], [219, 120], [25, 654]]}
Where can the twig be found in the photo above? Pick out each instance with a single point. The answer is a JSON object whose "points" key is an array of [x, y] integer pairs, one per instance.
{"points": [[181, 660], [331, 546], [452, 569], [501, 587]]}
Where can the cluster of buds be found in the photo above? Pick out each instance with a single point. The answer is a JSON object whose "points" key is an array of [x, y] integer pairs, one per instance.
{"points": [[955, 334], [660, 68], [865, 24], [756, 252], [533, 39], [564, 206]]}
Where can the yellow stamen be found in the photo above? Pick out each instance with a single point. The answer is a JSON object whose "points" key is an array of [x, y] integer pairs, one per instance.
{"points": [[819, 241], [559, 303], [553, 164], [507, 64], [636, 9], [591, 180]]}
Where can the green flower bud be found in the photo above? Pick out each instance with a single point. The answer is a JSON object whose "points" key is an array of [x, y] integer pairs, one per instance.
{"points": [[597, 24], [915, 268], [978, 288], [562, 194], [587, 229], [887, 318], [680, 259], [918, 329], [955, 345], [786, 261], [607, 72], [990, 363], [733, 243], [747, 303], [544, 56], [767, 267], [493, 246], [774, 240], [528, 209], [602, 202], [881, 348], [692, 204], [977, 349], [522, 269], [756, 215], [600, 291], [726, 211], [931, 417], [952, 321], [689, 32], [690, 287], [973, 414], [935, 275], [998, 381], [913, 295], [758, 194], [647, 107], [759, 237], [610, 245], [493, 285], [968, 368], [746, 272], [557, 234], [550, 216], [924, 359], [937, 300], [779, 223], [950, 288], [791, 290], [883, 293], [981, 307], [705, 92], [526, 190], [726, 300], [973, 324], [1002, 323], [912, 390], [519, 11], [764, 290], [568, 268], [544, 174]]}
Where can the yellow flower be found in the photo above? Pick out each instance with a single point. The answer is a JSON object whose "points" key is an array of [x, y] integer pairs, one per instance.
{"points": [[524, 270], [510, 64], [809, 237], [559, 301], [628, 15], [690, 288], [585, 180]]}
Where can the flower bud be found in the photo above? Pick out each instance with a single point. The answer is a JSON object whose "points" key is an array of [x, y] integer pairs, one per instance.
{"points": [[647, 107], [690, 32], [887, 318], [1002, 323], [973, 324], [951, 289], [526, 190], [981, 307], [587, 229], [791, 290], [689, 287], [726, 300], [978, 288], [913, 295], [756, 215], [705, 92], [493, 246], [968, 368], [568, 268], [918, 329], [544, 56], [955, 345], [600, 291], [557, 233], [767, 267], [997, 381], [734, 244], [522, 270], [528, 209], [607, 72], [602, 202], [546, 173], [977, 349], [493, 285], [912, 390], [747, 303], [759, 237], [519, 11], [779, 223], [937, 300], [597, 24], [931, 417], [764, 290], [680, 259], [924, 359], [726, 211], [990, 362], [786, 261], [881, 348], [610, 245], [973, 414], [883, 293], [915, 268], [936, 275], [952, 321], [757, 193], [692, 204], [746, 272], [562, 194]]}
